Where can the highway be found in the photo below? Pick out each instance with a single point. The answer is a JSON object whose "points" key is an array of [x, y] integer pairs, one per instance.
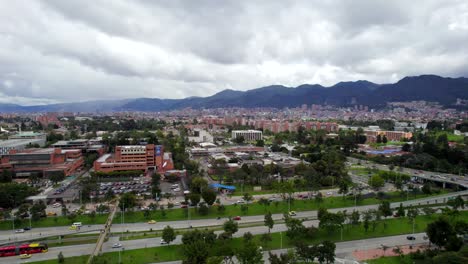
{"points": [[8, 235], [343, 249]]}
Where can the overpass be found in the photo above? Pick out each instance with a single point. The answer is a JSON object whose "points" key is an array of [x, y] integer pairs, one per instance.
{"points": [[442, 178]]}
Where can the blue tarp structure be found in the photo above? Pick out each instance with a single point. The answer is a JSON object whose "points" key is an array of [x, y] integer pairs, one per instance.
{"points": [[222, 186]]}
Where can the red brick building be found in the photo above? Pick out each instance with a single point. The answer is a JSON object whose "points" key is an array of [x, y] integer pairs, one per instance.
{"points": [[42, 161], [136, 157]]}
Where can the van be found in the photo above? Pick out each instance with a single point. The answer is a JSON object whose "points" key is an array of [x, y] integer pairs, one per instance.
{"points": [[78, 224]]}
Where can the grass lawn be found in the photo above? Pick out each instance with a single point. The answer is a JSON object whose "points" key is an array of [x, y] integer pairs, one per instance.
{"points": [[255, 209], [55, 221], [70, 260]]}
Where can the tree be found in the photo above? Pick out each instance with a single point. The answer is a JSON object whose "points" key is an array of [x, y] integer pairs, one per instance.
{"points": [[37, 210], [385, 209], [343, 187], [384, 139], [198, 184], [366, 220], [249, 253], [265, 238], [168, 234], [209, 196], [260, 143], [319, 197], [64, 210], [244, 208], [248, 197], [376, 182], [296, 229], [449, 258], [60, 257], [155, 181], [378, 139], [230, 227], [440, 231], [127, 200], [6, 176], [269, 222], [355, 218], [56, 176], [239, 140], [203, 209], [326, 252], [194, 198], [401, 210], [457, 202]]}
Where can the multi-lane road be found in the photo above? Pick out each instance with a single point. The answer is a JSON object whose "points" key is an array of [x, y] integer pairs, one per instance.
{"points": [[9, 235]]}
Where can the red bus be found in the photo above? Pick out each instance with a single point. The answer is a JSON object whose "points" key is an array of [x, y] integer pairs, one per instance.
{"points": [[23, 249]]}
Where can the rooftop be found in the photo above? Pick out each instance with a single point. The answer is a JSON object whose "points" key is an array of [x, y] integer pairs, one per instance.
{"points": [[16, 142]]}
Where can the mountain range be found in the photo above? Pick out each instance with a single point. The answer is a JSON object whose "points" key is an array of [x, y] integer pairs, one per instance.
{"points": [[424, 87]]}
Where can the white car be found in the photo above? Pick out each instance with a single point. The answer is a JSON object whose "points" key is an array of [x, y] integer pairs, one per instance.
{"points": [[19, 231], [163, 242], [55, 205], [241, 202], [117, 245], [177, 190]]}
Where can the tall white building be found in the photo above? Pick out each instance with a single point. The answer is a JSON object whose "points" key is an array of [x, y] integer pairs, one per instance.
{"points": [[249, 135]]}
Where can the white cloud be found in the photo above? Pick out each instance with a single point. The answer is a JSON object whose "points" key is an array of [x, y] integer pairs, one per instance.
{"points": [[63, 51]]}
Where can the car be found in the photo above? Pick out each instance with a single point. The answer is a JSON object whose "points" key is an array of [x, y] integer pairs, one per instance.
{"points": [[25, 256], [73, 227], [151, 222], [329, 193], [410, 238], [177, 190], [240, 202], [27, 228], [292, 213], [51, 214], [163, 242], [183, 206], [237, 218], [55, 205], [117, 245], [396, 215], [19, 231]]}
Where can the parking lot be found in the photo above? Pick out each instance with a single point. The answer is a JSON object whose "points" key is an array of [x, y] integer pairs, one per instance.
{"points": [[138, 186]]}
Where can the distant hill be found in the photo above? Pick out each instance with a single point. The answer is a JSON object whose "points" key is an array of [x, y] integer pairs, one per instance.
{"points": [[425, 87]]}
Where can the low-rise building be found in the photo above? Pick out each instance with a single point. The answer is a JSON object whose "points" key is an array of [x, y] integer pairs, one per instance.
{"points": [[136, 157], [248, 135], [42, 162]]}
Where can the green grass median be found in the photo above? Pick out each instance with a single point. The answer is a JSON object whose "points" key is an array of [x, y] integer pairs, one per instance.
{"points": [[256, 209], [54, 221]]}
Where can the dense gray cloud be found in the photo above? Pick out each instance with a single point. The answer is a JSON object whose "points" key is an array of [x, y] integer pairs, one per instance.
{"points": [[63, 51]]}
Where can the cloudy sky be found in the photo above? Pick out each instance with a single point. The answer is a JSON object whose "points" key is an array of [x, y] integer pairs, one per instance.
{"points": [[63, 51]]}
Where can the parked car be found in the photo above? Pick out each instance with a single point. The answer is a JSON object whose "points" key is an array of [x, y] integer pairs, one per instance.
{"points": [[410, 238], [292, 213]]}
